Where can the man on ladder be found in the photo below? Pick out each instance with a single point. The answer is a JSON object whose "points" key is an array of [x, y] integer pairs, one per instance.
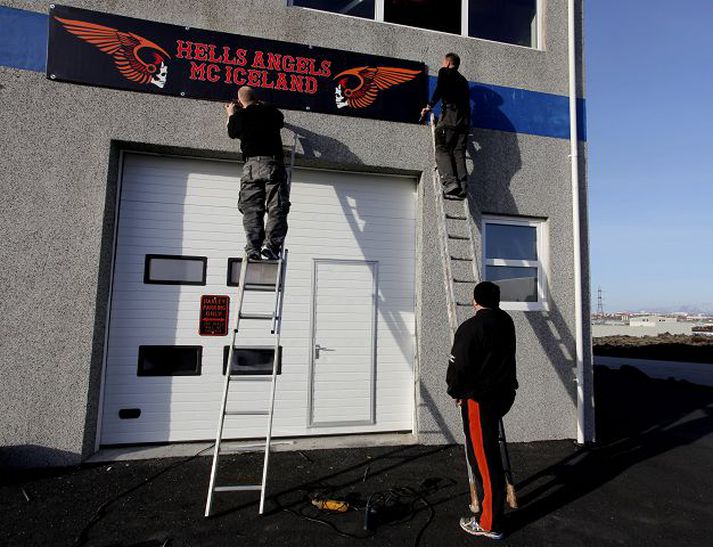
{"points": [[482, 379], [264, 182], [452, 128]]}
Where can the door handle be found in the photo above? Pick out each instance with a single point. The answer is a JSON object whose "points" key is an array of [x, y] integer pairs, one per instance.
{"points": [[318, 348]]}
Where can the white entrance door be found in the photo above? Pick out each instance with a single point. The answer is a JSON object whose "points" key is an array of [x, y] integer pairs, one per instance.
{"points": [[344, 317]]}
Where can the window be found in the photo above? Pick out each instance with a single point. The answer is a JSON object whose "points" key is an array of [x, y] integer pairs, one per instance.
{"points": [[443, 15], [507, 21], [252, 360], [175, 270], [170, 360], [515, 258], [357, 8], [260, 274]]}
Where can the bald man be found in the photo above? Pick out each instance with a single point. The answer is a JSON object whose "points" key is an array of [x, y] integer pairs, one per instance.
{"points": [[263, 186]]}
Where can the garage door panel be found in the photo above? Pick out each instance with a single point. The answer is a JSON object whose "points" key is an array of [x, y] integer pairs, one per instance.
{"points": [[188, 207]]}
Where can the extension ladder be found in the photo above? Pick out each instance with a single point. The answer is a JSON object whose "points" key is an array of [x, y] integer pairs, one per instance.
{"points": [[455, 225], [260, 281], [460, 270]]}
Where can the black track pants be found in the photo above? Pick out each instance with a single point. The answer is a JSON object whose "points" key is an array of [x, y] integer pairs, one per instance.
{"points": [[481, 422]]}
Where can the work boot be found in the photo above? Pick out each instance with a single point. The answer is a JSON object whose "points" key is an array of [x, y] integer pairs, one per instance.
{"points": [[254, 254], [269, 253], [454, 192], [471, 525]]}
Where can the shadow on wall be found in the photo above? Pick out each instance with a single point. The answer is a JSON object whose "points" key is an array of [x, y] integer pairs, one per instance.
{"points": [[316, 147], [496, 161]]}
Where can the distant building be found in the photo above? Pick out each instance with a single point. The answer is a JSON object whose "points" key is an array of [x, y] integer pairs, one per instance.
{"points": [[650, 321]]}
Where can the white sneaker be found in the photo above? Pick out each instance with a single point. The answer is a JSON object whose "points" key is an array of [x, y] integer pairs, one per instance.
{"points": [[470, 525]]}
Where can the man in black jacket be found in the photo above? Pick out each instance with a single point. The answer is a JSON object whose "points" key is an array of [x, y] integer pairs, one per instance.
{"points": [[452, 128], [264, 181], [482, 379]]}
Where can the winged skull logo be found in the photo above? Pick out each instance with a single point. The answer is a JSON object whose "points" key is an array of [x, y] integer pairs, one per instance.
{"points": [[369, 81], [136, 58]]}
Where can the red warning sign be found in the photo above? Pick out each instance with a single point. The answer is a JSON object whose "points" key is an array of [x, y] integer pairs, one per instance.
{"points": [[214, 315]]}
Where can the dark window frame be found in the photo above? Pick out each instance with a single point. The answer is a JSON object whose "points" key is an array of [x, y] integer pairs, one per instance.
{"points": [[144, 374], [150, 257], [229, 281], [253, 371]]}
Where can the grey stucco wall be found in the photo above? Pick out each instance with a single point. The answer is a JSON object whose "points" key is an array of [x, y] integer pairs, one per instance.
{"points": [[58, 182]]}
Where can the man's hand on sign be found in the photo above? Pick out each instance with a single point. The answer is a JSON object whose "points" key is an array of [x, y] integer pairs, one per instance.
{"points": [[231, 108]]}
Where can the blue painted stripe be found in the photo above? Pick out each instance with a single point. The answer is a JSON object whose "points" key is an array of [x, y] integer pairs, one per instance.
{"points": [[521, 111], [23, 44], [23, 39]]}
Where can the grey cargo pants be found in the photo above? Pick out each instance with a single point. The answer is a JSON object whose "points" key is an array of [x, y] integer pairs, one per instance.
{"points": [[263, 186], [451, 140]]}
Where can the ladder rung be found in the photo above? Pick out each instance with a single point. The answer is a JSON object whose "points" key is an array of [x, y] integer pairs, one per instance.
{"points": [[453, 236], [246, 413], [267, 316], [449, 216], [241, 449], [463, 304], [462, 258], [463, 281], [241, 488], [256, 287]]}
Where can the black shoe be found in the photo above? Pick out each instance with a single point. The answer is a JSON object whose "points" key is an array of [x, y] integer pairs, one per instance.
{"points": [[455, 192], [254, 254], [268, 253]]}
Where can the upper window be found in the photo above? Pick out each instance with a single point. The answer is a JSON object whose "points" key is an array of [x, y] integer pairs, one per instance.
{"points": [[507, 21], [443, 15], [514, 259], [357, 8]]}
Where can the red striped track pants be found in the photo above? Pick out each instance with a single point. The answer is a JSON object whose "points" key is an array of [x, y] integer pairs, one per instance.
{"points": [[480, 424]]}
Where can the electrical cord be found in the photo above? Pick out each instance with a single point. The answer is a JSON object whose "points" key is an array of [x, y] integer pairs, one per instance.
{"points": [[383, 500], [81, 538]]}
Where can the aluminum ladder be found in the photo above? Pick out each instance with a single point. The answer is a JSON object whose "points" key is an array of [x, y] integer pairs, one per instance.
{"points": [[458, 266], [277, 286], [276, 319], [460, 269]]}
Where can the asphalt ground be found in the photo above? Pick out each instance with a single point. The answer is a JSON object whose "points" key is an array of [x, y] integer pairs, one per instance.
{"points": [[647, 481]]}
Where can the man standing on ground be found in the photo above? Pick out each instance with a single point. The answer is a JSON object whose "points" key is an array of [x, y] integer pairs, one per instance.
{"points": [[452, 127], [264, 181], [482, 379]]}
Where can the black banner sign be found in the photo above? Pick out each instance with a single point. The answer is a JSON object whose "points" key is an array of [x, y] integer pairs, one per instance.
{"points": [[101, 49], [214, 315]]}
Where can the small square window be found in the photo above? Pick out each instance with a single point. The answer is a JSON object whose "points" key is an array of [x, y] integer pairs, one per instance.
{"points": [[514, 259], [357, 8], [175, 270], [170, 360]]}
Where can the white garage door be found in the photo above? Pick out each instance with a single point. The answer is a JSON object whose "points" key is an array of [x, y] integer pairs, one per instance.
{"points": [[350, 277]]}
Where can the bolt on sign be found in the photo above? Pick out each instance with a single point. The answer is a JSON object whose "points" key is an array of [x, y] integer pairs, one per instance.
{"points": [[214, 315], [105, 50]]}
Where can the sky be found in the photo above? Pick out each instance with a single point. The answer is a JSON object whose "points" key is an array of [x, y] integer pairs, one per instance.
{"points": [[649, 78]]}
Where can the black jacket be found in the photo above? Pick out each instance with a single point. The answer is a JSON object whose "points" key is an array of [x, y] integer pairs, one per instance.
{"points": [[258, 128], [482, 361], [453, 89]]}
